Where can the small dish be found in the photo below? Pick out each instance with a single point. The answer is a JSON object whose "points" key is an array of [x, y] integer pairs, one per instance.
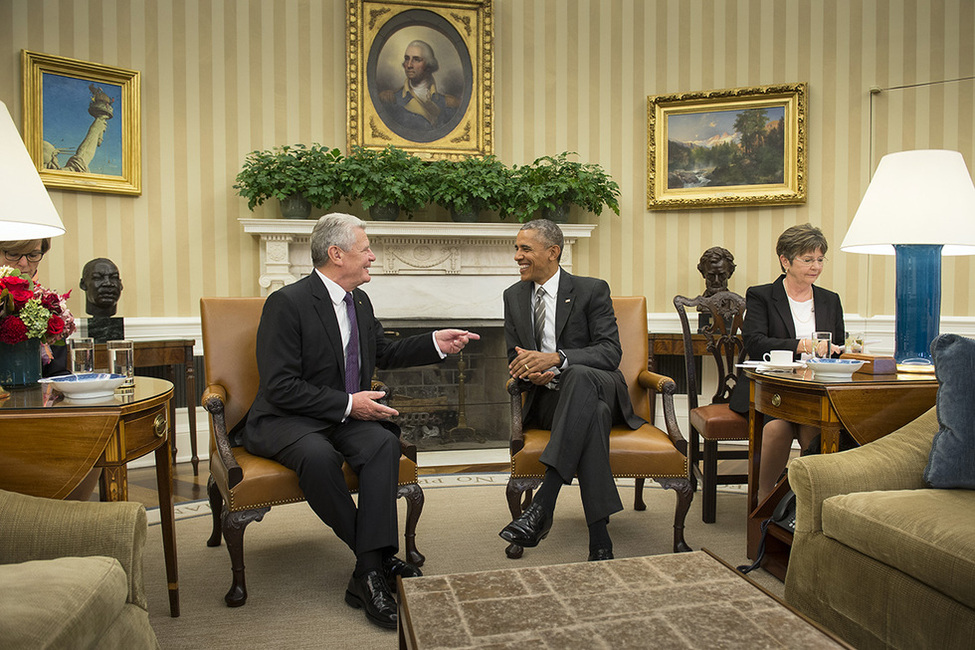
{"points": [[86, 386], [834, 368], [792, 365]]}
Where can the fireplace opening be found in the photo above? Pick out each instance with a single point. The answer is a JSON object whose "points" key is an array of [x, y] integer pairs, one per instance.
{"points": [[460, 403]]}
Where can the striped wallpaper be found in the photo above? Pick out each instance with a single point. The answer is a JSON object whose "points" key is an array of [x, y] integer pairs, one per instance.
{"points": [[223, 77]]}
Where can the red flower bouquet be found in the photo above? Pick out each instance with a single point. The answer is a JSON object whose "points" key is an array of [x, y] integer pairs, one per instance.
{"points": [[30, 311]]}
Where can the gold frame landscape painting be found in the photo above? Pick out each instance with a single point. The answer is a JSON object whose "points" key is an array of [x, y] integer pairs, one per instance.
{"points": [[733, 147]]}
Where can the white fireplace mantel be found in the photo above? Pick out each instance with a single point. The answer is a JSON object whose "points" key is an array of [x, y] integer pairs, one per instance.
{"points": [[423, 270]]}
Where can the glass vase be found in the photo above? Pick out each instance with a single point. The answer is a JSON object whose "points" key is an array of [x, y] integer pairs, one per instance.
{"points": [[20, 363]]}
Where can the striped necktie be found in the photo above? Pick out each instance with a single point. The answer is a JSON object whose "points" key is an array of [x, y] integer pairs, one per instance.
{"points": [[352, 350], [539, 317]]}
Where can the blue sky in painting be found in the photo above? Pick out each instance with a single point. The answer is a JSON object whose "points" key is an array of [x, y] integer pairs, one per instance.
{"points": [[66, 121], [696, 127]]}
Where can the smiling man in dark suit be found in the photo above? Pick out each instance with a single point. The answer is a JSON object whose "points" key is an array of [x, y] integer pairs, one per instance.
{"points": [[562, 337], [317, 346]]}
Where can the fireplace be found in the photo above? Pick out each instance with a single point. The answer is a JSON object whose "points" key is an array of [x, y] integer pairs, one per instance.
{"points": [[426, 276]]}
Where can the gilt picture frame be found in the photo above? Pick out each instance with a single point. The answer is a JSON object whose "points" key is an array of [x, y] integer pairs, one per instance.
{"points": [[450, 113], [725, 148], [82, 124]]}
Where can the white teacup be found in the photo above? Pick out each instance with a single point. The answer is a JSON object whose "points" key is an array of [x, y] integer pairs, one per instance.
{"points": [[778, 357]]}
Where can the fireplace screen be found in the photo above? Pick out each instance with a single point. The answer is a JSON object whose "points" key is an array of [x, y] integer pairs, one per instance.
{"points": [[458, 404]]}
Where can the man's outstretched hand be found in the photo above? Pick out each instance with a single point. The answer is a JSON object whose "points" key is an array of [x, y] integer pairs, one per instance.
{"points": [[453, 341]]}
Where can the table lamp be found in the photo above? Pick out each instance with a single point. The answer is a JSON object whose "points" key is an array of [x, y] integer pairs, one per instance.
{"points": [[26, 210], [919, 206]]}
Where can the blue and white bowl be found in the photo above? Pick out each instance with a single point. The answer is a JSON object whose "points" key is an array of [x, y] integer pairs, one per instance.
{"points": [[834, 368], [89, 385]]}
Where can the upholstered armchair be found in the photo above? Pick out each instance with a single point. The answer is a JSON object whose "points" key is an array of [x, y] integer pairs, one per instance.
{"points": [[648, 452], [71, 574], [243, 487]]}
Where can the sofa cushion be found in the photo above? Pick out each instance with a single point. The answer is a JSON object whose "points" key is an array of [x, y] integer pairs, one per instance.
{"points": [[67, 602], [951, 463], [926, 534]]}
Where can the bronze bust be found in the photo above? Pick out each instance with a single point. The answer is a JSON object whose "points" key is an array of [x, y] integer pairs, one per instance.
{"points": [[102, 286]]}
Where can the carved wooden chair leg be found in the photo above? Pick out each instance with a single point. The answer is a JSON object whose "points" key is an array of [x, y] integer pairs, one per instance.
{"points": [[638, 502], [682, 486], [519, 494], [234, 524], [710, 482], [693, 455], [414, 506], [216, 508]]}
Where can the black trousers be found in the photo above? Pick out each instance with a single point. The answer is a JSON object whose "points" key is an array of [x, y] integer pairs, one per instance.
{"points": [[580, 415], [373, 453]]}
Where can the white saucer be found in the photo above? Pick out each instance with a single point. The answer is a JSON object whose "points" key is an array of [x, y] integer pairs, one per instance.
{"points": [[765, 366], [792, 365]]}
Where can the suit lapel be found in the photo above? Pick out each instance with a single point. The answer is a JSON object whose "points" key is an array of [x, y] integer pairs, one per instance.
{"points": [[781, 302], [523, 316], [822, 308], [563, 304], [322, 303]]}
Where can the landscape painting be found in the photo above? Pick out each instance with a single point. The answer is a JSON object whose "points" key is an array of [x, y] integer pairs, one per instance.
{"points": [[721, 148], [743, 146]]}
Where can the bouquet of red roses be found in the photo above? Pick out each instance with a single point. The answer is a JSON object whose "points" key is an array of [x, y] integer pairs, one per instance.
{"points": [[30, 311]]}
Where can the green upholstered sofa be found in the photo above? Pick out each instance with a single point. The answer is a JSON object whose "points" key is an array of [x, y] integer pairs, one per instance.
{"points": [[878, 557], [71, 574]]}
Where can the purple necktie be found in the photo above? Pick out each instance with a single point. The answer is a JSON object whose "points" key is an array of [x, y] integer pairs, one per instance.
{"points": [[352, 351]]}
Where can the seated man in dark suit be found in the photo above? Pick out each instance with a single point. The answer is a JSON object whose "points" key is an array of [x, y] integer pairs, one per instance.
{"points": [[561, 335], [317, 346]]}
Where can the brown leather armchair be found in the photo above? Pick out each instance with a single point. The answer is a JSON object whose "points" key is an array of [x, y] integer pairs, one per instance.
{"points": [[243, 487], [714, 422], [645, 453]]}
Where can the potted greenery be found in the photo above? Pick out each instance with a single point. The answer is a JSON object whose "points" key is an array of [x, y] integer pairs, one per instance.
{"points": [[470, 185], [385, 180], [296, 175], [551, 183]]}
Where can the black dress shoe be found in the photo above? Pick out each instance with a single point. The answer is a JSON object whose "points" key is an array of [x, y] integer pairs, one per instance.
{"points": [[371, 593], [393, 566], [528, 529], [600, 554]]}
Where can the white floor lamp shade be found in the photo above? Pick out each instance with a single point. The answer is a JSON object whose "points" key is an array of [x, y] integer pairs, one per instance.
{"points": [[919, 206]]}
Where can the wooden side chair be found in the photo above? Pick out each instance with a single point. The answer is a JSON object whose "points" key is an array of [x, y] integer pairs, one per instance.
{"points": [[648, 452], [714, 422], [243, 487]]}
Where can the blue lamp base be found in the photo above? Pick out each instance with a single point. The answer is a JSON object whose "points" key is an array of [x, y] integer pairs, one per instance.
{"points": [[917, 316]]}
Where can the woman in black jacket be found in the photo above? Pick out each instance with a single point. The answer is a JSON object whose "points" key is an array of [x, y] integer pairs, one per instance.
{"points": [[784, 315]]}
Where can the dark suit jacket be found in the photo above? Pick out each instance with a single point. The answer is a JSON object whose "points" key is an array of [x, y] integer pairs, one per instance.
{"points": [[768, 326], [302, 364], [585, 331]]}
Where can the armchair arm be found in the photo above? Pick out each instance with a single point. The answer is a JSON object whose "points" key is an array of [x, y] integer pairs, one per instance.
{"points": [[213, 400], [666, 387], [894, 462], [35, 528], [515, 389]]}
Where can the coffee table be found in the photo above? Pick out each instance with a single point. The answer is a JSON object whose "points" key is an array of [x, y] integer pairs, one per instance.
{"points": [[682, 600]]}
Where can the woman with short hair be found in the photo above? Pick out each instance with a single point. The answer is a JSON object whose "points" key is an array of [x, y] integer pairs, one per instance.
{"points": [[783, 315]]}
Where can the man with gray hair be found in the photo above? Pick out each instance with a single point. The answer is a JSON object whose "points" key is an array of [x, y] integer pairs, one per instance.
{"points": [[317, 346], [418, 105]]}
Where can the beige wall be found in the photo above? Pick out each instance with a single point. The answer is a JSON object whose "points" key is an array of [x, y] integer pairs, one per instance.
{"points": [[221, 78]]}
